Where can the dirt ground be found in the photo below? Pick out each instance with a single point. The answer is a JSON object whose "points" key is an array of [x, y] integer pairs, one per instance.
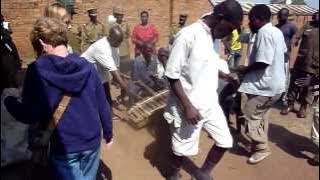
{"points": [[142, 154]]}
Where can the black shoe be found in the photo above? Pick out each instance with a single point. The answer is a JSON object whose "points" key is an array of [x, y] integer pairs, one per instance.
{"points": [[314, 161]]}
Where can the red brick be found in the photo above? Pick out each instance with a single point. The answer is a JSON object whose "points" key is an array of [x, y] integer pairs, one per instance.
{"points": [[22, 14]]}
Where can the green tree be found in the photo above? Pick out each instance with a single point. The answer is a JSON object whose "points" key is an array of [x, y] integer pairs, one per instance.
{"points": [[298, 2]]}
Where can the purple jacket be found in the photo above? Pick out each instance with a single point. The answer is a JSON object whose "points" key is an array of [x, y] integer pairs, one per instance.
{"points": [[46, 80]]}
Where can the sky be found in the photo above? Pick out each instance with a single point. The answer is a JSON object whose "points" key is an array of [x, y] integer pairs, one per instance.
{"points": [[311, 3]]}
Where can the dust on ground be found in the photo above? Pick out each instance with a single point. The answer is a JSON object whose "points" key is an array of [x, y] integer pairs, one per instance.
{"points": [[142, 154]]}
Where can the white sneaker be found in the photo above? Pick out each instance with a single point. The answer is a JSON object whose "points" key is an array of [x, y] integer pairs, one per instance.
{"points": [[258, 157]]}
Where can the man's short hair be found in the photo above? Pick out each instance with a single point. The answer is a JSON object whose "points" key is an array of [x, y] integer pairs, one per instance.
{"points": [[261, 12], [54, 10], [57, 10], [144, 12], [285, 10], [51, 31], [230, 10], [115, 31]]}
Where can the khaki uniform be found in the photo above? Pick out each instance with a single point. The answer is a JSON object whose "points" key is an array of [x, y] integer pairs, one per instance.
{"points": [[74, 38], [91, 33], [124, 46]]}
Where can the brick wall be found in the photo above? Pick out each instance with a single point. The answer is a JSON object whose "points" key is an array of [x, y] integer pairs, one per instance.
{"points": [[22, 14]]}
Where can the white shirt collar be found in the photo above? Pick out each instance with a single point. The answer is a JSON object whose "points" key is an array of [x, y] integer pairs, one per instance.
{"points": [[266, 26], [205, 26]]}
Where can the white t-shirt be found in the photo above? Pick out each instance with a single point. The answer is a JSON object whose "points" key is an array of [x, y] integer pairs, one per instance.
{"points": [[105, 58], [223, 67], [5, 25], [194, 62], [269, 48]]}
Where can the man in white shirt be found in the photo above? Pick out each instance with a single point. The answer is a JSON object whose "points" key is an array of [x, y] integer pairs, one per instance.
{"points": [[104, 53], [264, 79], [192, 70]]}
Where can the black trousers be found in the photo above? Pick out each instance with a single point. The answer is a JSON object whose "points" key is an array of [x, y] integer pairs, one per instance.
{"points": [[296, 93]]}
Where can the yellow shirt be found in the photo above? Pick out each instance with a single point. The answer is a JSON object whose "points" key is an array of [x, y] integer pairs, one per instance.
{"points": [[235, 43]]}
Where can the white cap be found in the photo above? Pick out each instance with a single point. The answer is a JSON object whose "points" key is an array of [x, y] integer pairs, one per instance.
{"points": [[111, 19], [206, 14]]}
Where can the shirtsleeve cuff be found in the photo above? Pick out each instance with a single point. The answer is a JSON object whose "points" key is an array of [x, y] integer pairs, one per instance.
{"points": [[172, 75], [107, 138]]}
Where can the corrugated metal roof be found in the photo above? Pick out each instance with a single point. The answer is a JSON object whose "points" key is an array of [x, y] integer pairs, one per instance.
{"points": [[294, 9]]}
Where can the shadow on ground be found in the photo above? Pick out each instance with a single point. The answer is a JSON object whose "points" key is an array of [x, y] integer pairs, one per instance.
{"points": [[291, 143], [158, 151]]}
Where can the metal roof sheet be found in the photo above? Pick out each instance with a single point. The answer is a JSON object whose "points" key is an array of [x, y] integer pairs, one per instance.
{"points": [[294, 9]]}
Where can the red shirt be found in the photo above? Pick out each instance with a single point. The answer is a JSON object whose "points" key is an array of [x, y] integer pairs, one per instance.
{"points": [[145, 34]]}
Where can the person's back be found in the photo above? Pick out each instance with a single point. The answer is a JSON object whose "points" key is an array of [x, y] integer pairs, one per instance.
{"points": [[288, 29], [308, 55], [55, 75], [79, 128]]}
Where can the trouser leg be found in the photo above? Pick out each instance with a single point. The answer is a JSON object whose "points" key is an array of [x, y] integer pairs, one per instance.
{"points": [[257, 126]]}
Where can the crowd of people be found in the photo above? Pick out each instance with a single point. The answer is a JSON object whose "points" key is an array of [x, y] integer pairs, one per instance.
{"points": [[67, 88]]}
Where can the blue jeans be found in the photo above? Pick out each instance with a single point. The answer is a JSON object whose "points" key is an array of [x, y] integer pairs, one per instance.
{"points": [[76, 166], [234, 59]]}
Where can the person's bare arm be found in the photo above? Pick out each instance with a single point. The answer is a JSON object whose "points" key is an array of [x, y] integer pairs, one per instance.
{"points": [[228, 77], [192, 115], [117, 77], [254, 67]]}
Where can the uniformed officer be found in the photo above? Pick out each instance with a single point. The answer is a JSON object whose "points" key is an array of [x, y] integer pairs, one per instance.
{"points": [[74, 34], [118, 13], [175, 28], [91, 31]]}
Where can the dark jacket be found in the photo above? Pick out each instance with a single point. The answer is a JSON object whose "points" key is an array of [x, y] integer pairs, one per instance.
{"points": [[46, 81], [308, 55]]}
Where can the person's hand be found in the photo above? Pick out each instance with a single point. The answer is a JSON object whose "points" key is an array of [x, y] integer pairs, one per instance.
{"points": [[234, 79], [192, 115], [139, 43], [109, 144], [154, 77], [303, 82], [241, 69]]}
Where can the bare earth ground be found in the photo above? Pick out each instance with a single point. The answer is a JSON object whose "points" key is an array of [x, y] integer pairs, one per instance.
{"points": [[143, 154]]}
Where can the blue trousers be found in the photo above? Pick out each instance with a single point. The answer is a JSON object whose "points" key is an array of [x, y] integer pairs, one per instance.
{"points": [[76, 166], [234, 59]]}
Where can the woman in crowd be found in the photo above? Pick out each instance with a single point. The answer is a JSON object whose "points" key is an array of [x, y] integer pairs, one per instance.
{"points": [[57, 78], [144, 34], [57, 10]]}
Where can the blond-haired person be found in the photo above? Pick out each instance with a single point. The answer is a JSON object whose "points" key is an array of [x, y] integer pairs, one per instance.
{"points": [[58, 10], [75, 141]]}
